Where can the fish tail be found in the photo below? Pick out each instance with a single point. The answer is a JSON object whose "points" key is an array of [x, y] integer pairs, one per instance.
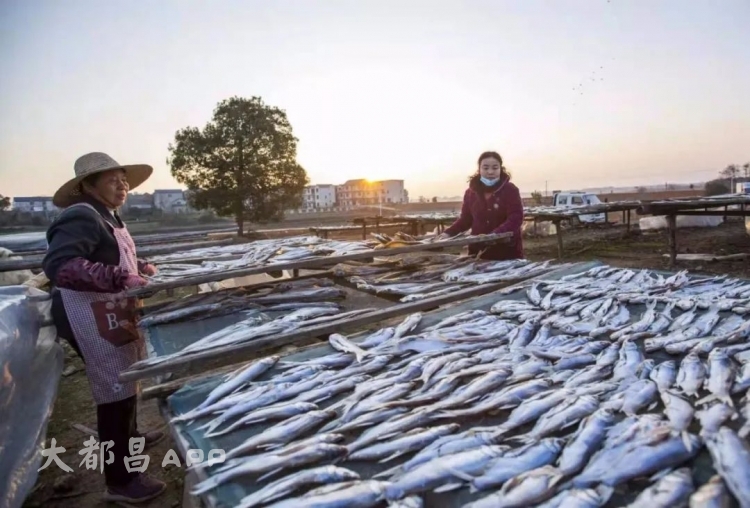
{"points": [[744, 431], [269, 474], [685, 435], [388, 472], [206, 485]]}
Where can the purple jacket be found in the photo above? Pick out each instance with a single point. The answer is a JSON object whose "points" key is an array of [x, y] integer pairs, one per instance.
{"points": [[500, 213]]}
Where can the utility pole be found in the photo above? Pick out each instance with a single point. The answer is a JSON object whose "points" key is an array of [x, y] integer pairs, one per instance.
{"points": [[545, 189]]}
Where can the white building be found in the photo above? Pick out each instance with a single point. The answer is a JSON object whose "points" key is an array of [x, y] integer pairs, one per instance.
{"points": [[320, 196], [36, 204], [364, 192], [169, 200]]}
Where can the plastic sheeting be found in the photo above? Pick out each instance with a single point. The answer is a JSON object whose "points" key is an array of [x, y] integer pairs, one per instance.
{"points": [[31, 364], [22, 242], [682, 221]]}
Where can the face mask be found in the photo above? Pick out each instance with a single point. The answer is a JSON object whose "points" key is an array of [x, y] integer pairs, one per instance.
{"points": [[489, 182]]}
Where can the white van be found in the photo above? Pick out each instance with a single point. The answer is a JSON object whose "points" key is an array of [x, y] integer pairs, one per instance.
{"points": [[571, 199]]}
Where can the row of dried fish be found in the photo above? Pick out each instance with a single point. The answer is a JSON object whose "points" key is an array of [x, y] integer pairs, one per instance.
{"points": [[269, 253], [439, 279], [574, 356], [296, 292]]}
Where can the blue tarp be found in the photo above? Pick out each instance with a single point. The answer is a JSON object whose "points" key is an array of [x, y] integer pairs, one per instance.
{"points": [[31, 364]]}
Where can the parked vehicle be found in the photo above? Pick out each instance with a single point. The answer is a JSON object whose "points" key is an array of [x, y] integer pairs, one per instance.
{"points": [[572, 199]]}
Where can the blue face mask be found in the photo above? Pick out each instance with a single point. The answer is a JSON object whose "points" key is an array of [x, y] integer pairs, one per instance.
{"points": [[489, 182]]}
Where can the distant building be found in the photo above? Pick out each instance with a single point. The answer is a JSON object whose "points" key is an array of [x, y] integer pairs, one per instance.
{"points": [[143, 202], [321, 196], [364, 192], [36, 204], [171, 201]]}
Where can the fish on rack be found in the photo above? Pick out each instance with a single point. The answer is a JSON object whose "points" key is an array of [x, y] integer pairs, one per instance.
{"points": [[510, 411]]}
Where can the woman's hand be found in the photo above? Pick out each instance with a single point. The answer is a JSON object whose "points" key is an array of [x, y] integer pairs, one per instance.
{"points": [[148, 269], [135, 281]]}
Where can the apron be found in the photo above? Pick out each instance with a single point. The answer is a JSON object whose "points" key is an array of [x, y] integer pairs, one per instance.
{"points": [[106, 329]]}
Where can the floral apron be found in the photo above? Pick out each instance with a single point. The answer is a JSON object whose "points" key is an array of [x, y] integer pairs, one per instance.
{"points": [[106, 331]]}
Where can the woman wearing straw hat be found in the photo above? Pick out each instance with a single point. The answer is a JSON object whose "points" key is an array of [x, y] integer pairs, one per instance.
{"points": [[91, 260]]}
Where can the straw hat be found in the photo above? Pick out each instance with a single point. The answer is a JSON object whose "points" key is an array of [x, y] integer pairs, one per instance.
{"points": [[97, 162]]}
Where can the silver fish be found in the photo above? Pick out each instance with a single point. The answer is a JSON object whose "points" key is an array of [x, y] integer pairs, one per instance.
{"points": [[671, 490], [341, 343], [252, 465], [732, 461], [721, 373], [663, 319], [517, 462], [742, 379], [360, 494], [374, 417], [588, 375], [239, 378], [435, 364], [288, 484], [714, 416], [579, 498], [683, 320], [640, 461], [679, 411], [407, 502], [575, 362], [275, 412], [391, 427], [664, 375], [282, 433], [330, 389], [566, 414], [533, 295], [377, 338], [377, 399], [407, 325], [506, 398], [525, 489], [476, 389], [691, 375], [639, 395], [411, 441], [531, 409], [442, 470], [641, 325], [589, 437], [712, 494], [630, 360], [609, 356]]}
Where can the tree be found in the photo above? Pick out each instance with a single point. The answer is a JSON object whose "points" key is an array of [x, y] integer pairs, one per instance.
{"points": [[434, 199], [4, 203], [692, 186], [537, 197], [641, 190], [716, 187], [730, 171], [746, 169], [242, 164]]}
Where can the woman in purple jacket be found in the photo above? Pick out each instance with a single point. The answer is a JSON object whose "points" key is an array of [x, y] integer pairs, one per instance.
{"points": [[492, 204]]}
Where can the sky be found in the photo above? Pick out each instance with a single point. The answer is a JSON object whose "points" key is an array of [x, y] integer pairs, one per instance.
{"points": [[572, 93]]}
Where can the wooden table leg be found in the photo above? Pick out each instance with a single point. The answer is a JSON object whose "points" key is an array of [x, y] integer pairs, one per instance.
{"points": [[295, 273], [559, 240], [364, 230], [628, 221], [672, 231]]}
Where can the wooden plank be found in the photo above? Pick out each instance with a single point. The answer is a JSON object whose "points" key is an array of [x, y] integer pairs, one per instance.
{"points": [[152, 289], [241, 352]]}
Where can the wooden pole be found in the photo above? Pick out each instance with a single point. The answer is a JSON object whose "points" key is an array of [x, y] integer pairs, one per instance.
{"points": [[364, 230], [628, 221], [559, 239], [672, 231]]}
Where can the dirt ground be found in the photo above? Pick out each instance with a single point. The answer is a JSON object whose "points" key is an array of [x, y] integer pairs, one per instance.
{"points": [[612, 245]]}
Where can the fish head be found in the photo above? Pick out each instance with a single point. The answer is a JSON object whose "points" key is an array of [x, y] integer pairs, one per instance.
{"points": [[555, 444], [605, 415]]}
